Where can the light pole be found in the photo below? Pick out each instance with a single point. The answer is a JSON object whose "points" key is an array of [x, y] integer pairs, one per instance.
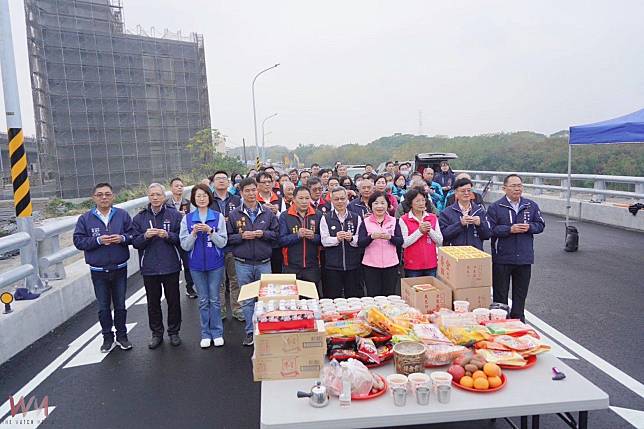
{"points": [[254, 112], [263, 146]]}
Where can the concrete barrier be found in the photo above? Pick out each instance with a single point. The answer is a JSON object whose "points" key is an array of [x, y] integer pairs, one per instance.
{"points": [[603, 213], [31, 320]]}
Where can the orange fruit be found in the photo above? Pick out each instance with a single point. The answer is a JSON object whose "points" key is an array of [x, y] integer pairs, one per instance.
{"points": [[481, 383], [479, 374], [494, 381], [466, 381], [492, 370]]}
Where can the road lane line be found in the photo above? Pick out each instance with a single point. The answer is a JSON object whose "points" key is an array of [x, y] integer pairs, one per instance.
{"points": [[634, 417], [610, 370], [91, 353], [73, 347]]}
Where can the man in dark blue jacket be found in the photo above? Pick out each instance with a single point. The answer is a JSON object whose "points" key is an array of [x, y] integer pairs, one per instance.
{"points": [[104, 234], [156, 236], [252, 231], [514, 221], [464, 223], [224, 202]]}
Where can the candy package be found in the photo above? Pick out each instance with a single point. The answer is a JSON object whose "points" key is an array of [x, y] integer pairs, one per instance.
{"points": [[347, 328], [503, 357], [466, 335], [381, 322], [429, 333], [367, 348], [513, 327]]}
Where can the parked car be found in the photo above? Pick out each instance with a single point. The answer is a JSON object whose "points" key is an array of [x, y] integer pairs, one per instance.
{"points": [[431, 159]]}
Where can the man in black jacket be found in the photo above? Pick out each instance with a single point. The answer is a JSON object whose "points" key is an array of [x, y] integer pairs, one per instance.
{"points": [[252, 231], [156, 236], [182, 205]]}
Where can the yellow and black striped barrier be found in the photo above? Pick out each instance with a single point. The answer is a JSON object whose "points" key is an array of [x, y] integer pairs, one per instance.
{"points": [[19, 173], [258, 164]]}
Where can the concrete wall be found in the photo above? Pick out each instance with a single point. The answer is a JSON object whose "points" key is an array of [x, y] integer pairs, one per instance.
{"points": [[603, 213], [31, 320]]}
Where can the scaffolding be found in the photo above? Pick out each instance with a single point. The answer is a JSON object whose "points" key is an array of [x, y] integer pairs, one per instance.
{"points": [[111, 105]]}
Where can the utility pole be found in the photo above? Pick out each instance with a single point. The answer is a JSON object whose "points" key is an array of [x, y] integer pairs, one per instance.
{"points": [[18, 156]]}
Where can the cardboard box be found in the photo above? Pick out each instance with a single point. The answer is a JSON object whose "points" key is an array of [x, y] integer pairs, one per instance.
{"points": [[251, 290], [463, 267], [476, 296], [426, 294], [288, 366], [280, 344]]}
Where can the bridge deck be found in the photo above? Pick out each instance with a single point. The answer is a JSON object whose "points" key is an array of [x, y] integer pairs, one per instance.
{"points": [[593, 297]]}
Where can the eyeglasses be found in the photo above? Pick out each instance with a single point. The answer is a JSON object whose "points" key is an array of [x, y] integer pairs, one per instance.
{"points": [[266, 181], [221, 178], [515, 185], [106, 195], [464, 191]]}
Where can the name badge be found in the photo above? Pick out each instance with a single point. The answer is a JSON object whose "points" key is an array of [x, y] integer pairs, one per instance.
{"points": [[209, 244]]}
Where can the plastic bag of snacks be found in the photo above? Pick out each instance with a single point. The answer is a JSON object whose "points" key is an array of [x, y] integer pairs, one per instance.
{"points": [[361, 379], [442, 354], [347, 328], [409, 337], [513, 327], [429, 333], [466, 335], [367, 348], [503, 357], [381, 322]]}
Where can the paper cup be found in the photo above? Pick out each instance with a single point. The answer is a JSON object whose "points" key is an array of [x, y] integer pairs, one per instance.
{"points": [[481, 314], [440, 378], [461, 306], [498, 314], [397, 381], [418, 379]]}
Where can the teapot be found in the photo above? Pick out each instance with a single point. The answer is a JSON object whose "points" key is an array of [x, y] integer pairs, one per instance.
{"points": [[318, 396]]}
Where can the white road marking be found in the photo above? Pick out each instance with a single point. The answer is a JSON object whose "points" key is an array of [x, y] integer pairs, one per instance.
{"points": [[73, 347], [634, 417], [91, 353], [610, 370], [31, 419]]}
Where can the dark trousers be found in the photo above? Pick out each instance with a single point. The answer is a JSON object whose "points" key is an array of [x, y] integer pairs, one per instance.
{"points": [[185, 259], [109, 289], [520, 276], [380, 281], [277, 259], [170, 285], [420, 273], [307, 274], [339, 284]]}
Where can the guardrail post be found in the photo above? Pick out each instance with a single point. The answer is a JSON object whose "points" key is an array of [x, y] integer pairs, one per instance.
{"points": [[564, 189], [601, 185], [639, 189], [48, 246], [538, 181]]}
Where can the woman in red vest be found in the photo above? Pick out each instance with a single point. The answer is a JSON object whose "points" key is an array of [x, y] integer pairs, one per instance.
{"points": [[421, 236]]}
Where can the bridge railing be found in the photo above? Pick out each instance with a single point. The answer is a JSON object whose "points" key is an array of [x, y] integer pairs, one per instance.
{"points": [[51, 256], [538, 182]]}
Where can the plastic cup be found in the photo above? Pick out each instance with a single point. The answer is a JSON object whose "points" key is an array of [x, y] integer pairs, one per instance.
{"points": [[444, 393], [422, 395], [418, 379], [498, 314], [397, 381], [481, 314], [400, 396], [461, 306], [440, 378]]}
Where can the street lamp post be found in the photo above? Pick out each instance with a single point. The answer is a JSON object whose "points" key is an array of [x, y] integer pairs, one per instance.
{"points": [[263, 145], [254, 111]]}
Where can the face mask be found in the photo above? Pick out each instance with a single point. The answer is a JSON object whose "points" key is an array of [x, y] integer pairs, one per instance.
{"points": [[404, 172], [237, 180]]}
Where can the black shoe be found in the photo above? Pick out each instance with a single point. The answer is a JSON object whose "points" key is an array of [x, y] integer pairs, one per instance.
{"points": [[124, 343], [108, 345], [248, 340], [155, 342], [190, 292], [175, 340]]}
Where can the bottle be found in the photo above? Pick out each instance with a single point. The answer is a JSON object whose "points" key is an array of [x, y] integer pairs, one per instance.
{"points": [[345, 395]]}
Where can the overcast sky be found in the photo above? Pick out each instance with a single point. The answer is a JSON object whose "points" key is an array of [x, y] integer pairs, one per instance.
{"points": [[353, 71]]}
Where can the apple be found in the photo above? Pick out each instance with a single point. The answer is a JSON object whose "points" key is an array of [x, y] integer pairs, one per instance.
{"points": [[457, 372]]}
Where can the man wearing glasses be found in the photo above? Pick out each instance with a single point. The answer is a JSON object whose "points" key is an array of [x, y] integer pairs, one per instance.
{"points": [[104, 234], [464, 223], [514, 221]]}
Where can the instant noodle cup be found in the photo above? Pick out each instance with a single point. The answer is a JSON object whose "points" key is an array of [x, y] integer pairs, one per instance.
{"points": [[482, 314], [461, 306], [409, 357], [498, 314]]}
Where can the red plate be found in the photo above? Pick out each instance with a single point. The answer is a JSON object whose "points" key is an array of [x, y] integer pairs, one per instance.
{"points": [[532, 360], [471, 389], [372, 395]]}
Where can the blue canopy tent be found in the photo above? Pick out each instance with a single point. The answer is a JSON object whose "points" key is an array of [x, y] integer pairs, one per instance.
{"points": [[625, 129]]}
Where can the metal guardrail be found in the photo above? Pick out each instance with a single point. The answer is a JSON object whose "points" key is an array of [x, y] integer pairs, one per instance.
{"points": [[50, 255], [599, 190]]}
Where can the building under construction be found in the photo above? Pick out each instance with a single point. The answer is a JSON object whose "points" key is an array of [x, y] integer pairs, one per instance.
{"points": [[111, 105]]}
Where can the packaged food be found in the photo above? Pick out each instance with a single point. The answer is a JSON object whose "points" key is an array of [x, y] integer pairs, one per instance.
{"points": [[359, 374], [514, 327], [466, 335], [442, 354], [347, 328], [278, 290], [367, 348], [429, 333], [381, 322], [503, 357]]}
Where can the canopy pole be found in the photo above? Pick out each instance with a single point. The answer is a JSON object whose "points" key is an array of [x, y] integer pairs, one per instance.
{"points": [[569, 182]]}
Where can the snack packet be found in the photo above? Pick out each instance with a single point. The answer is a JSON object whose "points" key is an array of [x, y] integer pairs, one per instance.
{"points": [[466, 335], [347, 328], [367, 348]]}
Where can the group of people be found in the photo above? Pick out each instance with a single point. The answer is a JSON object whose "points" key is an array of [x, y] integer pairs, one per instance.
{"points": [[350, 238]]}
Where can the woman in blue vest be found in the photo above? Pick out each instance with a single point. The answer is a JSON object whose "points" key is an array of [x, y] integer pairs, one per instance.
{"points": [[203, 235]]}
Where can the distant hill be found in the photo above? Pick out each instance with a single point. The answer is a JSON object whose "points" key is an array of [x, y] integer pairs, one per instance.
{"points": [[516, 151]]}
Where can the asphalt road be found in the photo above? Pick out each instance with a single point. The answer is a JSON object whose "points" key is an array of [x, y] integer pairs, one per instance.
{"points": [[594, 296]]}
